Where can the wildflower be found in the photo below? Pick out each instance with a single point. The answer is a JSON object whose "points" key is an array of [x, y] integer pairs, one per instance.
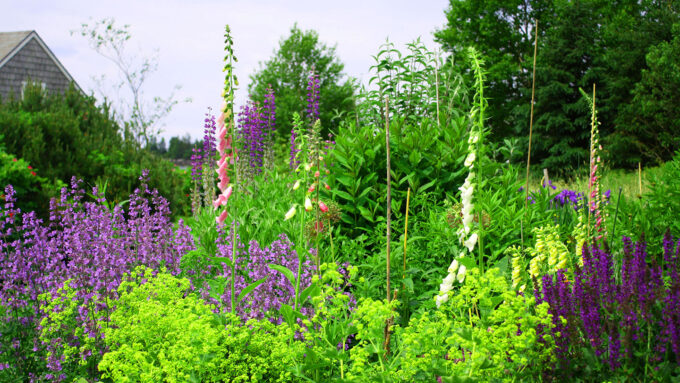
{"points": [[223, 198], [471, 241], [311, 188], [290, 213], [222, 217], [308, 204], [461, 274], [470, 159], [296, 186], [327, 187], [29, 166], [453, 267], [316, 174], [14, 160], [33, 173], [323, 207]]}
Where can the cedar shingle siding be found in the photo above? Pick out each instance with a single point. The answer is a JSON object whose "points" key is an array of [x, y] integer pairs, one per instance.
{"points": [[32, 62]]}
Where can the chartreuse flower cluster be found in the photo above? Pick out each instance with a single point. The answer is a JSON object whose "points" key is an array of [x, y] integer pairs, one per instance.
{"points": [[486, 331], [151, 311], [548, 255]]}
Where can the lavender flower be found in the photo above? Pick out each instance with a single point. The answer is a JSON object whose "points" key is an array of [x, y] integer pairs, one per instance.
{"points": [[86, 243], [269, 131], [252, 135], [209, 158], [312, 110]]}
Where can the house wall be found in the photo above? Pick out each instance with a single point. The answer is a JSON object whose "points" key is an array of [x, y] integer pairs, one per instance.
{"points": [[31, 62]]}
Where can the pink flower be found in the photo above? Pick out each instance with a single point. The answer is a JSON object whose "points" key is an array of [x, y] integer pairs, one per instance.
{"points": [[323, 207], [223, 198], [316, 174], [222, 217], [223, 183], [311, 188]]}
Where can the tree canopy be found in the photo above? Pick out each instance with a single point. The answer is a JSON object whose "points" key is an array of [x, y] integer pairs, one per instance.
{"points": [[617, 45], [288, 71]]}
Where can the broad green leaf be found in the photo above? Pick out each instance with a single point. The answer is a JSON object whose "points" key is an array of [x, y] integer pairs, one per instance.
{"points": [[248, 289], [285, 271]]}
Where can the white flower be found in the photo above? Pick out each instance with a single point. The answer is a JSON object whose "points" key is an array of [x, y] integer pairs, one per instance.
{"points": [[474, 137], [290, 213], [453, 267], [297, 185], [470, 160], [470, 243], [461, 274], [308, 204], [447, 284], [467, 221], [441, 299]]}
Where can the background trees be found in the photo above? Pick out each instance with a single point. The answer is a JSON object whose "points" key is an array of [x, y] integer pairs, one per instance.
{"points": [[288, 72], [617, 45]]}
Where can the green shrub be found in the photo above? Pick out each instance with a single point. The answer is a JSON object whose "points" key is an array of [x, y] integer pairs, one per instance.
{"points": [[161, 333], [69, 135], [32, 190], [259, 351], [485, 331]]}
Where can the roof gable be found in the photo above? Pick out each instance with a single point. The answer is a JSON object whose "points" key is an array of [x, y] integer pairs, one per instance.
{"points": [[12, 42]]}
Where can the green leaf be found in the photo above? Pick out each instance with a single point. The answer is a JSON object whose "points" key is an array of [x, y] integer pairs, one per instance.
{"points": [[248, 289], [285, 271], [311, 291]]}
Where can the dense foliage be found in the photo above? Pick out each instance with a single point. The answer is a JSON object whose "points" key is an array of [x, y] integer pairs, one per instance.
{"points": [[409, 248], [287, 73], [619, 46], [68, 135]]}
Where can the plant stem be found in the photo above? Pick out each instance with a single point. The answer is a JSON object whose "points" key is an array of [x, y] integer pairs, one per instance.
{"points": [[436, 81], [233, 268], [389, 190], [531, 128], [403, 273]]}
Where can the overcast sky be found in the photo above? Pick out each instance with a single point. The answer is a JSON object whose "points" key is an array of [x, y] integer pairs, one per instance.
{"points": [[188, 36]]}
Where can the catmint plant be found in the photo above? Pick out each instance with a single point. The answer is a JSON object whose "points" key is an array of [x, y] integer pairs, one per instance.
{"points": [[90, 246], [196, 176]]}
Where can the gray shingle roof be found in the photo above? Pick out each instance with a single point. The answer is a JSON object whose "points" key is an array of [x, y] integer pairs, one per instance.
{"points": [[10, 40]]}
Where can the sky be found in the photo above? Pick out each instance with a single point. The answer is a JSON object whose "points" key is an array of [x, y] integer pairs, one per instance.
{"points": [[187, 39]]}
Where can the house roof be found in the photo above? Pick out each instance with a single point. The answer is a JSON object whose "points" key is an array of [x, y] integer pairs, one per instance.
{"points": [[9, 41], [12, 42]]}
